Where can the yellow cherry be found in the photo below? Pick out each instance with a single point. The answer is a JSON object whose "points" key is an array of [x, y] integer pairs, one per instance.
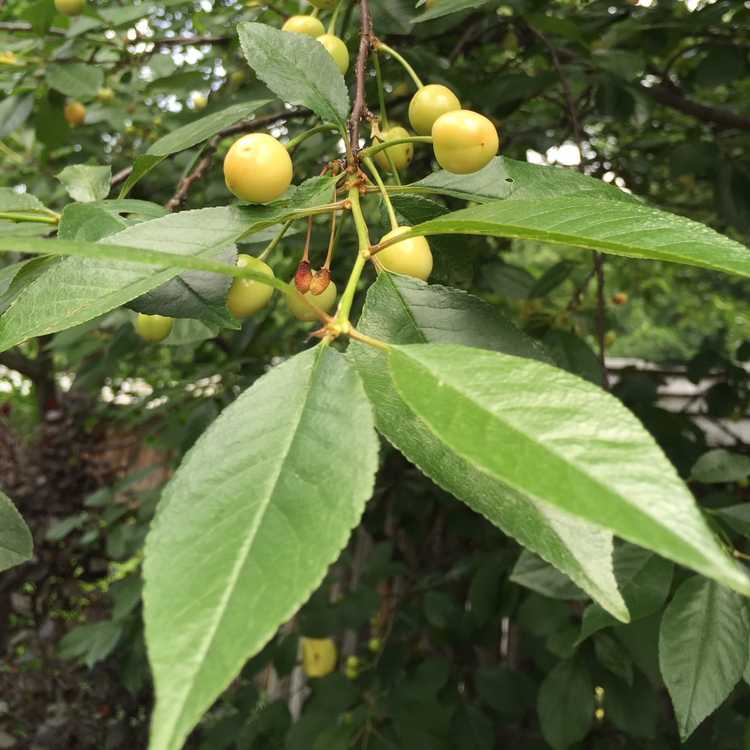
{"points": [[464, 141], [307, 25], [257, 168], [318, 656], [105, 94], [325, 301], [70, 7], [74, 113], [153, 328], [401, 154], [199, 102], [246, 296], [337, 49], [428, 104], [410, 257]]}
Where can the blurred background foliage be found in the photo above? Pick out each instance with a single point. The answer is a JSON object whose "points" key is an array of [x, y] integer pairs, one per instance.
{"points": [[446, 635]]}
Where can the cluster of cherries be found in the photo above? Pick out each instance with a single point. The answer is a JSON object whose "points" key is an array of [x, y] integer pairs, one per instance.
{"points": [[259, 169]]}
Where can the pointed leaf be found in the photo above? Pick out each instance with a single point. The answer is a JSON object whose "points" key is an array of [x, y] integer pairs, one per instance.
{"points": [[260, 507], [703, 649], [79, 80], [617, 227], [402, 310], [16, 545], [296, 68], [85, 183], [562, 440]]}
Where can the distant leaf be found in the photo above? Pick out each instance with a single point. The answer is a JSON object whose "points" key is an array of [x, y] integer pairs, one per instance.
{"points": [[737, 517], [401, 310], [617, 227], [297, 69], [599, 463], [703, 649], [16, 545], [551, 279], [85, 183], [442, 8], [255, 520], [719, 465], [91, 643], [566, 704], [644, 579], [505, 178], [392, 16], [534, 573], [78, 80], [12, 200], [142, 166], [573, 354], [14, 111]]}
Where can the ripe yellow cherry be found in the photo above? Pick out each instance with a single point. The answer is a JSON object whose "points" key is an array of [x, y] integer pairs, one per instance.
{"points": [[307, 25], [325, 301], [8, 58], [428, 104], [105, 94], [337, 49], [257, 168], [411, 257], [464, 141], [74, 113], [199, 102], [401, 154], [153, 327], [70, 7], [318, 656], [247, 297], [237, 77]]}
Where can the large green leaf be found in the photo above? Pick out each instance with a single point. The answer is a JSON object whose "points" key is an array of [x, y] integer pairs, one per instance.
{"points": [[296, 68], [260, 507], [508, 179], [188, 136], [562, 440], [78, 80], [617, 227], [703, 649], [15, 539], [566, 704], [402, 310], [11, 200], [85, 183], [445, 7]]}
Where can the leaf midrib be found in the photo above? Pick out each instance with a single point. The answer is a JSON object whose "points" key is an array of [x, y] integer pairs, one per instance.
{"points": [[244, 550]]}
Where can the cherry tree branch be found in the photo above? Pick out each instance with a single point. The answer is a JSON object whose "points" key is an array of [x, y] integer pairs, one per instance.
{"points": [[365, 43]]}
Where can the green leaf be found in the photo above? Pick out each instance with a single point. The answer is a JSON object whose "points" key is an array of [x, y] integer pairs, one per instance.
{"points": [[204, 128], [703, 649], [737, 517], [566, 704], [505, 178], [188, 136], [79, 80], [85, 183], [296, 68], [88, 222], [543, 432], [617, 227], [643, 578], [445, 7], [12, 200], [14, 111], [192, 238], [16, 545], [91, 643], [395, 309], [254, 517], [719, 465], [536, 574]]}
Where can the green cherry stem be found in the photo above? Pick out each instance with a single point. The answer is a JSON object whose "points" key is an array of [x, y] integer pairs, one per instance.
{"points": [[36, 218], [370, 164], [294, 142], [335, 17], [271, 246], [382, 47], [381, 92], [363, 238], [375, 148]]}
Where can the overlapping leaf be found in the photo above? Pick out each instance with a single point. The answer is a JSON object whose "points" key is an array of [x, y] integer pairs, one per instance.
{"points": [[15, 538], [260, 507]]}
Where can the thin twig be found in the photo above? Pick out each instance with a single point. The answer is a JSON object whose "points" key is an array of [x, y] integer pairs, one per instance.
{"points": [[189, 180], [360, 108]]}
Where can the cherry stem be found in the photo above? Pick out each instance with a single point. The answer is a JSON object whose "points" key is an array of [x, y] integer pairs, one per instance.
{"points": [[368, 162], [335, 17], [331, 241], [382, 47], [376, 147], [325, 127], [306, 251], [381, 91], [363, 237], [36, 218], [271, 246]]}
